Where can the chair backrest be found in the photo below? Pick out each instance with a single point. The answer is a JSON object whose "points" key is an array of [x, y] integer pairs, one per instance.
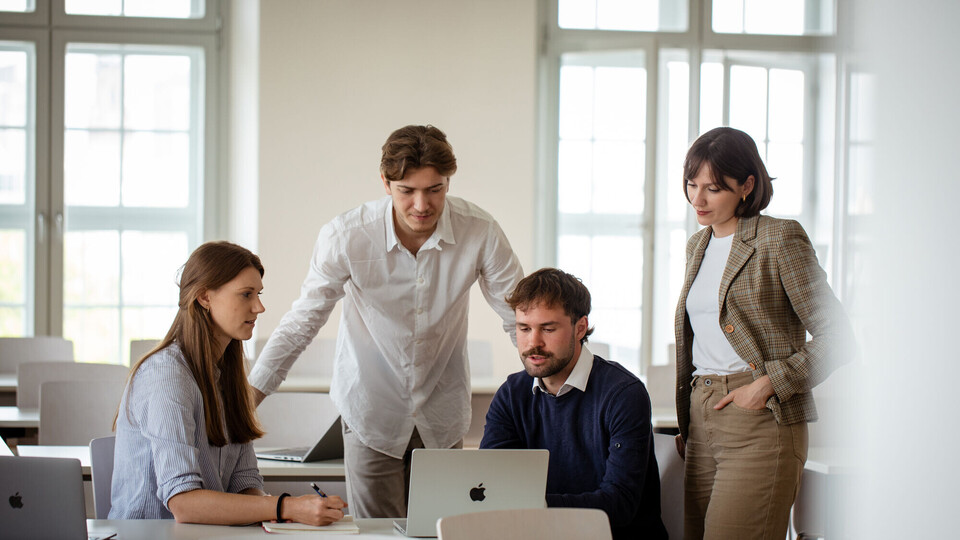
{"points": [[553, 523], [31, 375], [810, 508], [661, 386], [295, 419], [480, 352], [73, 412], [671, 483], [140, 347], [16, 350], [101, 472]]}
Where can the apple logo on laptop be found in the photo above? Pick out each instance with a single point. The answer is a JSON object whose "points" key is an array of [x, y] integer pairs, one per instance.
{"points": [[476, 494], [16, 500]]}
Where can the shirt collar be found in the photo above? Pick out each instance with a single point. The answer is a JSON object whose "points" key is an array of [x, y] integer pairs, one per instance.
{"points": [[578, 377], [443, 233]]}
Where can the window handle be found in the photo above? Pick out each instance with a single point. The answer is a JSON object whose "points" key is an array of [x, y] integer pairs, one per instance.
{"points": [[59, 222], [41, 228]]}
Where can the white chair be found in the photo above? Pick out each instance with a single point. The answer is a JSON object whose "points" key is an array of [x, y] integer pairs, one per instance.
{"points": [[552, 523], [810, 508], [17, 350], [480, 353], [600, 349], [101, 472], [140, 347], [31, 375], [671, 483], [661, 386], [73, 412]]}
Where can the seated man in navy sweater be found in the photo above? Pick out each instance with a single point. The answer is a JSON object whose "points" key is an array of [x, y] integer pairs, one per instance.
{"points": [[591, 414]]}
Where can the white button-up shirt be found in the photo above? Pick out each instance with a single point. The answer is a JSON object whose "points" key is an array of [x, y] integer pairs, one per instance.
{"points": [[401, 358]]}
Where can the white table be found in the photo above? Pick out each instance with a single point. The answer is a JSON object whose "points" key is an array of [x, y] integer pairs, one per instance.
{"points": [[151, 529], [275, 471], [15, 417]]}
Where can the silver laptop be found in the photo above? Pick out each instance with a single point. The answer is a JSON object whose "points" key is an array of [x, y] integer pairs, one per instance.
{"points": [[330, 446], [450, 482], [42, 498]]}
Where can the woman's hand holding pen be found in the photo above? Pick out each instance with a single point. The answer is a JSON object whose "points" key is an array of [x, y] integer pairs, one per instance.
{"points": [[313, 509], [752, 396]]}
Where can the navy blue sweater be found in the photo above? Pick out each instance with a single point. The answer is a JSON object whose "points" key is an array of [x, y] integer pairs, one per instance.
{"points": [[600, 443]]}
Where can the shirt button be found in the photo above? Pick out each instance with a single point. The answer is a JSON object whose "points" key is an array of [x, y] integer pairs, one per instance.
{"points": [[419, 311], [420, 280], [728, 328], [617, 445]]}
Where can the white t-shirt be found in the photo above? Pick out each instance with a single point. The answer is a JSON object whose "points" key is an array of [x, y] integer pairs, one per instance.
{"points": [[712, 353]]}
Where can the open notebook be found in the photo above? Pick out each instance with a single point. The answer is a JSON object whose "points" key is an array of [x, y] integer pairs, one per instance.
{"points": [[345, 526]]}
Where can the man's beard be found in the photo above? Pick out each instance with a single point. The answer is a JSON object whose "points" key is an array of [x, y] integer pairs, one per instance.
{"points": [[553, 365]]}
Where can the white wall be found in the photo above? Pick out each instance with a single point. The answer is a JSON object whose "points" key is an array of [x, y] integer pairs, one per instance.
{"points": [[336, 77], [905, 396]]}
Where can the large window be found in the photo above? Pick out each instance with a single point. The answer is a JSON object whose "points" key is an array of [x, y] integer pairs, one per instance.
{"points": [[17, 151], [627, 87], [102, 193]]}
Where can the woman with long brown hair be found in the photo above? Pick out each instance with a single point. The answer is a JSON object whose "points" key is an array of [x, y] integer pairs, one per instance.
{"points": [[186, 422]]}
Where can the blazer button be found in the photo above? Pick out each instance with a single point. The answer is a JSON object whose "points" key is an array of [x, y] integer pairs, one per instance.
{"points": [[728, 328], [753, 366]]}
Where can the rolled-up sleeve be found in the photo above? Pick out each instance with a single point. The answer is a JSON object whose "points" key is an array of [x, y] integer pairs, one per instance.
{"points": [[246, 475], [499, 275], [321, 290]]}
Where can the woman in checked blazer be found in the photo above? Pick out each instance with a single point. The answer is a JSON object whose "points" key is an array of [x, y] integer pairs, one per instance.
{"points": [[752, 291]]}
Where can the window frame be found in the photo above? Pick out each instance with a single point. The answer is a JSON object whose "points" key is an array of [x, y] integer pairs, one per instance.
{"points": [[151, 219], [210, 21], [50, 30], [698, 38]]}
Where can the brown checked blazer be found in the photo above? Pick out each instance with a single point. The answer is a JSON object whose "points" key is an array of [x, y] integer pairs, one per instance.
{"points": [[772, 293]]}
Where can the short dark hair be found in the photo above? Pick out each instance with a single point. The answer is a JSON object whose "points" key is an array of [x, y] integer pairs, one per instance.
{"points": [[551, 287], [413, 147], [730, 152]]}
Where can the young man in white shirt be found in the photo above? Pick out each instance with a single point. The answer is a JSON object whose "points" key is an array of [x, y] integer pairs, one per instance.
{"points": [[405, 265]]}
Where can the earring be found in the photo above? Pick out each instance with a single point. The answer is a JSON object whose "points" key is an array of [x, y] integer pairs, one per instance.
{"points": [[744, 197]]}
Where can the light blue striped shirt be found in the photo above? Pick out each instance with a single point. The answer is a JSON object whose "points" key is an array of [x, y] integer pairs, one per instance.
{"points": [[162, 447]]}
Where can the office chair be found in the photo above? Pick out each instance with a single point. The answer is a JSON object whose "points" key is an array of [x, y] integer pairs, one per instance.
{"points": [[101, 472], [73, 412], [671, 483]]}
